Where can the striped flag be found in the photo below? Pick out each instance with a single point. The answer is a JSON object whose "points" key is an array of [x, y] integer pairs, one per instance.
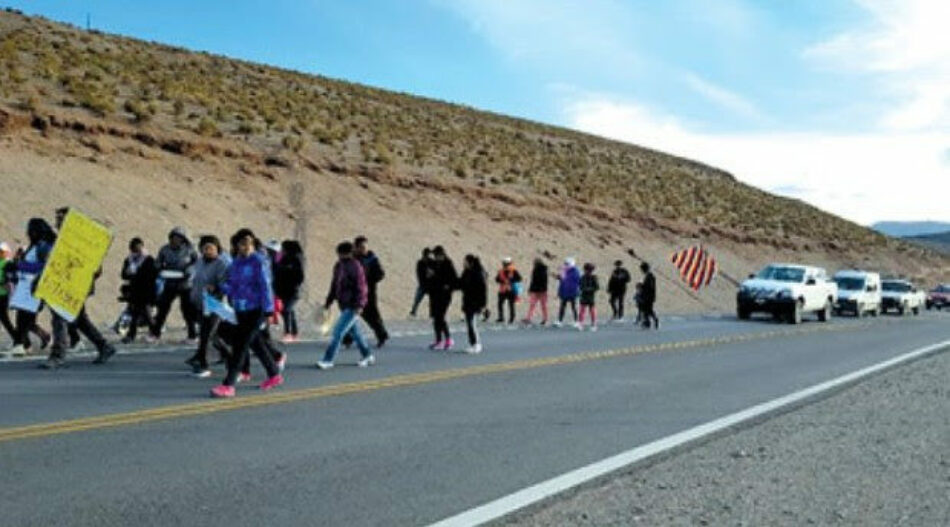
{"points": [[696, 266]]}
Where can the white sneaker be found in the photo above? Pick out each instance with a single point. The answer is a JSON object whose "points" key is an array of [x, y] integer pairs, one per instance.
{"points": [[80, 346], [593, 328], [363, 363], [578, 326], [18, 351], [557, 324], [474, 350], [322, 365]]}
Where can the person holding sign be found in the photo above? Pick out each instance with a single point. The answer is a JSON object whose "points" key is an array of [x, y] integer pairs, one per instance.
{"points": [[211, 272], [68, 280]]}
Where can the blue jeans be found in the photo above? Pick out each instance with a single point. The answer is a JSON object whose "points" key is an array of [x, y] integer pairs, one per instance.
{"points": [[347, 324]]}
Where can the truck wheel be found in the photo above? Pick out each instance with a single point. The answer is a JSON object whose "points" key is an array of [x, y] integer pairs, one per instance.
{"points": [[901, 309], [825, 314], [916, 311], [795, 313]]}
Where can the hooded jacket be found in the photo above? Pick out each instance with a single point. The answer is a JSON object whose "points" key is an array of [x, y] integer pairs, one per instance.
{"points": [[474, 285], [648, 293], [569, 288], [248, 285], [348, 286], [288, 276], [212, 273], [181, 260]]}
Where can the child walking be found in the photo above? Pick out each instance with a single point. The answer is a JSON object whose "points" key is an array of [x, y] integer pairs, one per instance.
{"points": [[474, 285], [249, 289], [589, 286]]}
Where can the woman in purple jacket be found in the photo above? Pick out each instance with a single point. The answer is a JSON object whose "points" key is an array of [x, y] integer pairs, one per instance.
{"points": [[249, 289], [568, 290]]}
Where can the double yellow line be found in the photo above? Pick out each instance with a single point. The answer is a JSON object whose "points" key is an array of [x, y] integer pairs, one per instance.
{"points": [[413, 379]]}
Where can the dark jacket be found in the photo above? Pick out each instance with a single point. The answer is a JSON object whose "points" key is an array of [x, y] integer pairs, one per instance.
{"points": [[288, 276], [444, 279], [474, 286], [348, 286], [648, 294], [422, 272], [619, 280], [374, 273], [140, 288], [539, 279], [589, 287]]}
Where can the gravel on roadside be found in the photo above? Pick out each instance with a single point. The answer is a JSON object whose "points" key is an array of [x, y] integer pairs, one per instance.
{"points": [[877, 453]]}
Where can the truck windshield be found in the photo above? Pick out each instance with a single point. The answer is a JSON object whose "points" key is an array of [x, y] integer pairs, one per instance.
{"points": [[782, 274], [897, 287], [850, 283]]}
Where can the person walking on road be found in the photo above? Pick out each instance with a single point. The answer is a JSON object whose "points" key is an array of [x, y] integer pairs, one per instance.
{"points": [[568, 289], [288, 280], [374, 275], [349, 289], [617, 288], [29, 265], [210, 278], [648, 297], [423, 274], [589, 285], [509, 283], [474, 286], [538, 292], [176, 262], [140, 272], [249, 289], [442, 283], [7, 270]]}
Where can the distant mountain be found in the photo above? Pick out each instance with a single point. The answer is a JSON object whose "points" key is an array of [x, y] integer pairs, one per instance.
{"points": [[904, 229], [938, 242]]}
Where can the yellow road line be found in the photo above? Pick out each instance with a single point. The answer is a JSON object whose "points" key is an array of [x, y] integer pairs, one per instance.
{"points": [[411, 379]]}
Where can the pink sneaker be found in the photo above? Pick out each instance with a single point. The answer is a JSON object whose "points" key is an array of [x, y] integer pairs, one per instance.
{"points": [[288, 339], [448, 345], [436, 345], [244, 377], [273, 382], [222, 392]]}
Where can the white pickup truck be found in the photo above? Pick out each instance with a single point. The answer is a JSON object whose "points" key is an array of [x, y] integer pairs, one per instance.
{"points": [[902, 296], [787, 291]]}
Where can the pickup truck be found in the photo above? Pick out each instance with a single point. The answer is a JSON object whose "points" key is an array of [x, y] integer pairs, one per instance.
{"points": [[787, 291], [939, 297], [901, 296]]}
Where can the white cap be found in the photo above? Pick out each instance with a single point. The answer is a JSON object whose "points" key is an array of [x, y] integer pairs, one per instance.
{"points": [[506, 260], [274, 245], [569, 261]]}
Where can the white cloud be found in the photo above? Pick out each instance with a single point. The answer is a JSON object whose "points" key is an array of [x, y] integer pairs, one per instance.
{"points": [[862, 177], [723, 97], [906, 46]]}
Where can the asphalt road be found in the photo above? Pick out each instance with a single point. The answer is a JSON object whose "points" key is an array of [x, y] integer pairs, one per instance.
{"points": [[417, 438]]}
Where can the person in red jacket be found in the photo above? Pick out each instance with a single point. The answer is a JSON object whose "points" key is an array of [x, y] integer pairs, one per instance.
{"points": [[350, 291], [509, 282]]}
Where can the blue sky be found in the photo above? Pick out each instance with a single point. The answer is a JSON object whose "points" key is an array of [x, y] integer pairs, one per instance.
{"points": [[830, 101]]}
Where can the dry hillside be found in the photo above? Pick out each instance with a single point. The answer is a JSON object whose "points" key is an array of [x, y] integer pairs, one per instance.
{"points": [[145, 136]]}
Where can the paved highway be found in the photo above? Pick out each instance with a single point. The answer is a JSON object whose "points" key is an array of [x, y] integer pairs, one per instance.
{"points": [[420, 437]]}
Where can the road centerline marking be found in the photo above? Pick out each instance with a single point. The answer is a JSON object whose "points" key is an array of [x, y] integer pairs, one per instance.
{"points": [[396, 381]]}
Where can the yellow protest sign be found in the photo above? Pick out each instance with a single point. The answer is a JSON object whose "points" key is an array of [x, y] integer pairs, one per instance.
{"points": [[80, 247]]}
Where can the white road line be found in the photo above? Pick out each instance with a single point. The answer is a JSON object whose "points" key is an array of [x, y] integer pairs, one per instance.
{"points": [[523, 498]]}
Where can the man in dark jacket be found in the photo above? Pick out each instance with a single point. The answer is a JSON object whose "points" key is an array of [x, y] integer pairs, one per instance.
{"points": [[649, 297], [617, 288], [176, 262], [350, 290], [374, 275], [423, 274]]}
